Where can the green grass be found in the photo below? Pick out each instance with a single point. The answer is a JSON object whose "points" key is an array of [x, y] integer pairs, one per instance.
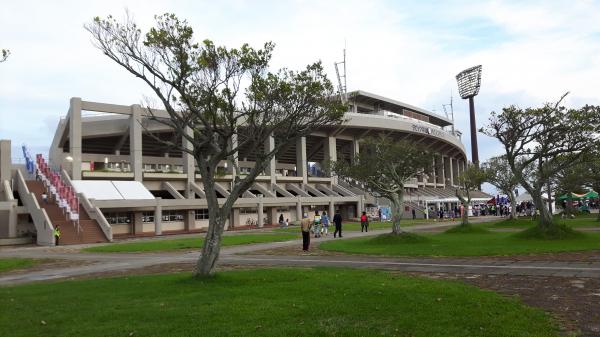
{"points": [[188, 243], [16, 263], [355, 226], [465, 244], [267, 302], [583, 220]]}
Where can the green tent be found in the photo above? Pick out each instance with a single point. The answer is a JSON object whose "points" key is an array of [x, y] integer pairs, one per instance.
{"points": [[590, 195], [570, 196]]}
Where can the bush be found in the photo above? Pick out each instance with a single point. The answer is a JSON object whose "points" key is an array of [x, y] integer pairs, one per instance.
{"points": [[556, 232]]}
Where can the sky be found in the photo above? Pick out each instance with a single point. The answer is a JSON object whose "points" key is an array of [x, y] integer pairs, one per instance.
{"points": [[531, 52]]}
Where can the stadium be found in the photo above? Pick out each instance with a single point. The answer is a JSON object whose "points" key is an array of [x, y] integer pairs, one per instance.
{"points": [[122, 182]]}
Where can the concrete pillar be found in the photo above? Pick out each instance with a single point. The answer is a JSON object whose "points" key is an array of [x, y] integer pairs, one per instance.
{"points": [[451, 171], [301, 160], [355, 147], [189, 220], [233, 161], [440, 171], [331, 211], [270, 170], [433, 178], [454, 166], [5, 162], [75, 137], [135, 142], [299, 209], [158, 217], [331, 153], [189, 167], [272, 215], [260, 211], [138, 223], [235, 217]]}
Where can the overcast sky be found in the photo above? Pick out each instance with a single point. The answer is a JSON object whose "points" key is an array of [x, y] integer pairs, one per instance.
{"points": [[531, 52]]}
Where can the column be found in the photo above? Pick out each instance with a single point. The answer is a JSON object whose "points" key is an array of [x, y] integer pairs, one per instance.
{"points": [[138, 224], [272, 215], [433, 173], [75, 137], [260, 211], [235, 218], [355, 147], [189, 167], [158, 217], [233, 161], [331, 153], [12, 220], [135, 142], [455, 170], [189, 221], [301, 161], [331, 209], [5, 162], [299, 209], [440, 171], [450, 171], [270, 170]]}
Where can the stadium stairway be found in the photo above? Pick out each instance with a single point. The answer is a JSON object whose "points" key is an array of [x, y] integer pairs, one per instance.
{"points": [[89, 231]]}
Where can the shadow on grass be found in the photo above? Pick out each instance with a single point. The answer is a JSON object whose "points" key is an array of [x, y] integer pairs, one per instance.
{"points": [[557, 232], [402, 238], [467, 229]]}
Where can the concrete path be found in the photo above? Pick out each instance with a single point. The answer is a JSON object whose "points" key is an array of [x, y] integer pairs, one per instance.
{"points": [[113, 262]]}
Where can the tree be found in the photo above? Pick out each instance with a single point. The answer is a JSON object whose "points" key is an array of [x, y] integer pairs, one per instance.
{"points": [[498, 173], [220, 100], [540, 142], [470, 180], [4, 55], [384, 165]]}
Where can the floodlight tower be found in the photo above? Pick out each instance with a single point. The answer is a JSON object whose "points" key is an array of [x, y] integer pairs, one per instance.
{"points": [[469, 81]]}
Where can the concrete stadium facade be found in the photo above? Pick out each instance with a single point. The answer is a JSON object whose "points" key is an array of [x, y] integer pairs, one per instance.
{"points": [[100, 141]]}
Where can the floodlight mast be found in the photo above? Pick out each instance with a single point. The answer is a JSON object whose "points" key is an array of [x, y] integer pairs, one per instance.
{"points": [[469, 82]]}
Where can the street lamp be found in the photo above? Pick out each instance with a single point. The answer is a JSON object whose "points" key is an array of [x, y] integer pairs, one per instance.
{"points": [[469, 82]]}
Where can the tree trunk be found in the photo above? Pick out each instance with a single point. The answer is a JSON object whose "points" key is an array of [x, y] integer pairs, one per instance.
{"points": [[545, 220], [513, 205], [396, 213], [465, 216], [211, 249]]}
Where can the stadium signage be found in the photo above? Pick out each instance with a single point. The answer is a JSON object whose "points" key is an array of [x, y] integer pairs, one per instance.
{"points": [[427, 130]]}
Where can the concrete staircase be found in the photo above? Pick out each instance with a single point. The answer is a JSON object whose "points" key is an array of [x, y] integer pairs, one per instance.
{"points": [[89, 230]]}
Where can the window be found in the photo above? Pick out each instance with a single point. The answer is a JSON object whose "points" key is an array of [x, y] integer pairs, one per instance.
{"points": [[149, 167], [118, 218], [248, 211], [148, 217], [201, 214], [168, 216]]}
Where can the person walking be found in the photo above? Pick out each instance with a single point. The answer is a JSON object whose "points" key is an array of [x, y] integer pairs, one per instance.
{"points": [[305, 226], [364, 222], [337, 220], [325, 223], [317, 224], [56, 234], [414, 214], [281, 221], [45, 197]]}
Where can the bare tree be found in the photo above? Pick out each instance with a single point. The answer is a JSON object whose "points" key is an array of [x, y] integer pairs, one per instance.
{"points": [[470, 180], [384, 166], [220, 100], [540, 142], [498, 173]]}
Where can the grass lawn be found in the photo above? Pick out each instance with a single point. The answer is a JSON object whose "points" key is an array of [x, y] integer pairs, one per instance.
{"points": [[189, 243], [480, 243], [583, 220], [267, 302], [355, 226], [16, 263]]}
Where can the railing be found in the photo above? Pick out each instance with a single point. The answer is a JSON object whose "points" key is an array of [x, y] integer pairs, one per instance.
{"points": [[43, 225], [93, 211]]}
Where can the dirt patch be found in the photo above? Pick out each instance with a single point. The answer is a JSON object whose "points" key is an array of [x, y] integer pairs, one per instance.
{"points": [[574, 302], [44, 264]]}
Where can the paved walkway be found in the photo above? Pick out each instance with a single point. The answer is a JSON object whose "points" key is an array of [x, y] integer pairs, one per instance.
{"points": [[114, 262]]}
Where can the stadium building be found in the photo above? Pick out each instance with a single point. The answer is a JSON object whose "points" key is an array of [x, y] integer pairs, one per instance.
{"points": [[129, 184]]}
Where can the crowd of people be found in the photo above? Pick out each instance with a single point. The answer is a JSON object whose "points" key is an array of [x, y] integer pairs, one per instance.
{"points": [[318, 225]]}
